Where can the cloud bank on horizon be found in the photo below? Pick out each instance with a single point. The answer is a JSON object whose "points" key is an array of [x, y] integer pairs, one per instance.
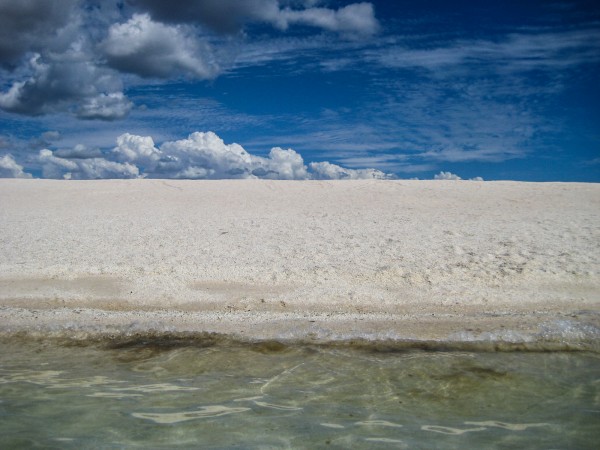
{"points": [[200, 156], [504, 91]]}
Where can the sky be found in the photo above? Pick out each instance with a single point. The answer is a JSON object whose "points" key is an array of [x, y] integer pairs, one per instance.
{"points": [[300, 89]]}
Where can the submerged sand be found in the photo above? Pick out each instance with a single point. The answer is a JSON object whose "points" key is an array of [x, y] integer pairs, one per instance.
{"points": [[322, 260]]}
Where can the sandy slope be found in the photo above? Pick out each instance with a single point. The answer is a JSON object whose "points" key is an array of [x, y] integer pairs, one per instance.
{"points": [[279, 259]]}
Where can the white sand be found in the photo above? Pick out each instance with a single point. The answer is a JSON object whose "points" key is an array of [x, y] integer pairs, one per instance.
{"points": [[295, 260]]}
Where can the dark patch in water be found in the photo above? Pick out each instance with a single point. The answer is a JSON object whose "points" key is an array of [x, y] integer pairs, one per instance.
{"points": [[158, 342], [162, 343], [472, 373], [487, 372], [269, 347]]}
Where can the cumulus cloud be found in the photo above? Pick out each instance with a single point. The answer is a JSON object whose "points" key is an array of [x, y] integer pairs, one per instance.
{"points": [[229, 16], [111, 106], [446, 176], [450, 176], [59, 84], [327, 171], [205, 155], [199, 156], [83, 169], [151, 49], [52, 64], [72, 55], [10, 169], [137, 149]]}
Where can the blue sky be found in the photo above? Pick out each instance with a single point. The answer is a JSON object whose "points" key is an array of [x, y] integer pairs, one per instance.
{"points": [[339, 89]]}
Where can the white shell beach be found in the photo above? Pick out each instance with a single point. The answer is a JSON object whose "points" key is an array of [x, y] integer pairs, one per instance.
{"points": [[441, 261]]}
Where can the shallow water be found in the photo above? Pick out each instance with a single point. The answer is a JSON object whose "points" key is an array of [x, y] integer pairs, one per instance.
{"points": [[233, 395]]}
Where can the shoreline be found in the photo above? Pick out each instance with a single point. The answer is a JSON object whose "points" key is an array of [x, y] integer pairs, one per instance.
{"points": [[532, 332], [419, 263]]}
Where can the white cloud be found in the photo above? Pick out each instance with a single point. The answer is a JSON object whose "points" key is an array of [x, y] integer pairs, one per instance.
{"points": [[327, 171], [357, 18], [283, 164], [110, 106], [450, 176], [205, 155], [10, 169], [152, 49], [446, 176], [137, 149], [205, 151], [83, 169], [199, 156]]}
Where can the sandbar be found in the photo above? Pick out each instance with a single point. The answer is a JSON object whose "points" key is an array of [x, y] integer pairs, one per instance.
{"points": [[378, 260]]}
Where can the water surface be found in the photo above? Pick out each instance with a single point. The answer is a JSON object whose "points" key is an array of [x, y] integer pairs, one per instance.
{"points": [[162, 394]]}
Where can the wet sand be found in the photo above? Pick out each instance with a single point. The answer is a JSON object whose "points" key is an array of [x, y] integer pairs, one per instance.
{"points": [[441, 261]]}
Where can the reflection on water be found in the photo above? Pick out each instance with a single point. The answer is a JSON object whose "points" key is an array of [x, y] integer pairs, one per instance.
{"points": [[232, 395]]}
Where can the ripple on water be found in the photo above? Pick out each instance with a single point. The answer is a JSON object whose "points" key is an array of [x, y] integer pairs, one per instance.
{"points": [[184, 416], [277, 396]]}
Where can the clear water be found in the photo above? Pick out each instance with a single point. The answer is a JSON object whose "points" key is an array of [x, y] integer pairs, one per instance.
{"points": [[232, 395]]}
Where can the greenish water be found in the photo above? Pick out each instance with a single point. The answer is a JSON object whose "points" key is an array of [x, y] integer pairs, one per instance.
{"points": [[261, 396]]}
